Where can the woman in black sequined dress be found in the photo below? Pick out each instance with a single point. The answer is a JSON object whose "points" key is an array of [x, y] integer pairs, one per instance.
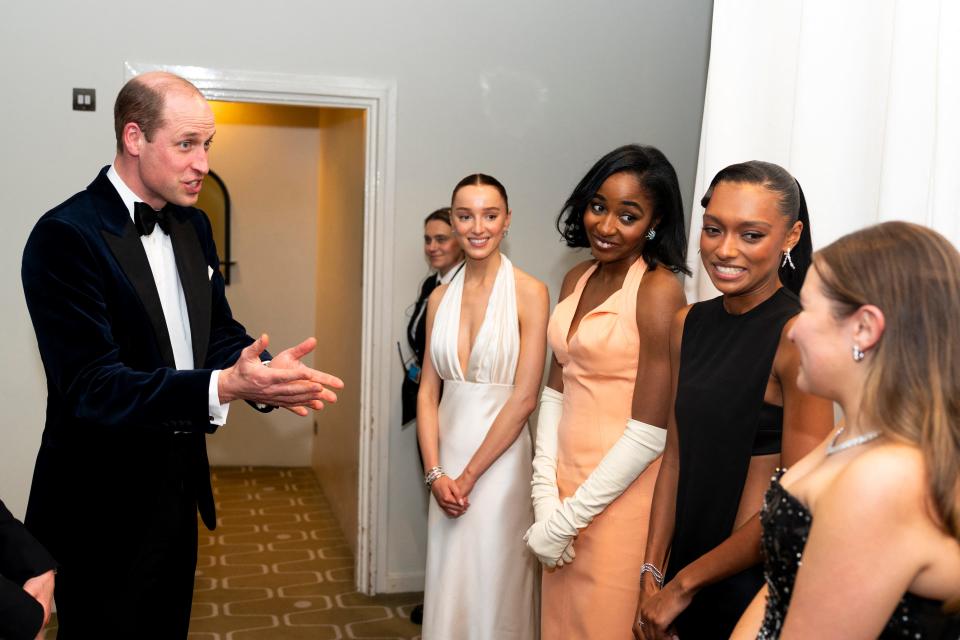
{"points": [[862, 537]]}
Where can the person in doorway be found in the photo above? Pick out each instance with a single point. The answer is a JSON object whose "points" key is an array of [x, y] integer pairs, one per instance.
{"points": [[142, 357], [603, 412], [488, 350], [737, 412], [445, 257], [861, 538], [26, 580]]}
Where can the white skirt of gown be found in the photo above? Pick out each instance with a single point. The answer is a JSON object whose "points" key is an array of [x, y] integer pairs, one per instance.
{"points": [[481, 579]]}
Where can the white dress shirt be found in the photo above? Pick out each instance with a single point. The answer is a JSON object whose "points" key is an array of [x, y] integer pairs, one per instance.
{"points": [[451, 272], [163, 265]]}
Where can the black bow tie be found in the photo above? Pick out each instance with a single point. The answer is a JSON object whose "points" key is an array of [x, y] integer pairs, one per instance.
{"points": [[145, 218]]}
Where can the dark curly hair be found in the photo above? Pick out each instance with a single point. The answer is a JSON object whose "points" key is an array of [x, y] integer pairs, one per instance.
{"points": [[659, 179]]}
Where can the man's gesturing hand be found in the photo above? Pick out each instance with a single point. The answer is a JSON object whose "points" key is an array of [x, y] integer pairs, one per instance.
{"points": [[287, 382]]}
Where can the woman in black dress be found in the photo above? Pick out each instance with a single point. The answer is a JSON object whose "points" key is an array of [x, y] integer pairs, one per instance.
{"points": [[861, 538], [738, 413]]}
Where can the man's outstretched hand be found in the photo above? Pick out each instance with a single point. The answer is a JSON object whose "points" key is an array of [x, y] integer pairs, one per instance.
{"points": [[286, 383]]}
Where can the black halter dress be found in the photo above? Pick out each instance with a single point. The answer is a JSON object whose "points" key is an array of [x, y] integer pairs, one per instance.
{"points": [[722, 421]]}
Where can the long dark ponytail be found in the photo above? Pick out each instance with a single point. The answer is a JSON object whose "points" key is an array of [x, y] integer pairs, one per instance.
{"points": [[802, 253]]}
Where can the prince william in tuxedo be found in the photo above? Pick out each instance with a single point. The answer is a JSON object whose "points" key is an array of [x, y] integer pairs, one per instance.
{"points": [[142, 357]]}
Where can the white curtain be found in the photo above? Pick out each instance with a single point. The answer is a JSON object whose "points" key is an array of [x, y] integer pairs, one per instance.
{"points": [[860, 100]]}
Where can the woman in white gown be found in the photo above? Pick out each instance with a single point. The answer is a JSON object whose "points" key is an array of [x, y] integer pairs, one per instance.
{"points": [[486, 353]]}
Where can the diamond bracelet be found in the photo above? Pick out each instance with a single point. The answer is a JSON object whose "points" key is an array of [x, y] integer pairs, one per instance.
{"points": [[650, 568], [433, 475]]}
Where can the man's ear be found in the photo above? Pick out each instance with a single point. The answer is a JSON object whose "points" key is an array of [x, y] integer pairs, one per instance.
{"points": [[133, 139]]}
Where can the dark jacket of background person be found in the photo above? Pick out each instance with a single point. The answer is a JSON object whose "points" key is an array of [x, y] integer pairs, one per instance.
{"points": [[417, 339], [21, 558]]}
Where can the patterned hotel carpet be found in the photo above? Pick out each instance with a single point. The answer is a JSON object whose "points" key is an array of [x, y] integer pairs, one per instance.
{"points": [[279, 568]]}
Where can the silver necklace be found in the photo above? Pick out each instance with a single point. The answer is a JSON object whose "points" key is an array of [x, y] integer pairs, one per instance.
{"points": [[833, 447]]}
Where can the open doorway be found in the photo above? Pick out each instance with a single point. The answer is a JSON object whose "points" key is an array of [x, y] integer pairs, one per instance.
{"points": [[295, 179], [363, 440]]}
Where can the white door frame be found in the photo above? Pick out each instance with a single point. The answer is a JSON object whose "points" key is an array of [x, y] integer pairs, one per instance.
{"points": [[378, 99]]}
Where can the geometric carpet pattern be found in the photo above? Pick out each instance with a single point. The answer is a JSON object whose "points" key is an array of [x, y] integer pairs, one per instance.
{"points": [[279, 568]]}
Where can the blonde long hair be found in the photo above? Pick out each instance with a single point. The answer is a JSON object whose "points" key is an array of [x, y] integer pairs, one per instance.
{"points": [[912, 389]]}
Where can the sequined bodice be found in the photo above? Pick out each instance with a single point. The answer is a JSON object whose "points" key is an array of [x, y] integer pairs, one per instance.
{"points": [[786, 526]]}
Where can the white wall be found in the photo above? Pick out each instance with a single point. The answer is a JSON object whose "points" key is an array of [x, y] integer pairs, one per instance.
{"points": [[267, 155], [532, 92]]}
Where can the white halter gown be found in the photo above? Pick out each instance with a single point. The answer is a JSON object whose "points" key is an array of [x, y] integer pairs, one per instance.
{"points": [[480, 579]]}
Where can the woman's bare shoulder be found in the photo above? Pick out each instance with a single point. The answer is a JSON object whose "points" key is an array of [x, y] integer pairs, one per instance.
{"points": [[437, 294], [527, 285], [661, 289], [573, 276], [888, 479]]}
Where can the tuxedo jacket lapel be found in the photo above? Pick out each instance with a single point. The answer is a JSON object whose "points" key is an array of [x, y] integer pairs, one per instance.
{"points": [[129, 252], [192, 268], [121, 236]]}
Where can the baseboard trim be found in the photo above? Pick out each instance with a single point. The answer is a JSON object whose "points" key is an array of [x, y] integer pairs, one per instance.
{"points": [[402, 582]]}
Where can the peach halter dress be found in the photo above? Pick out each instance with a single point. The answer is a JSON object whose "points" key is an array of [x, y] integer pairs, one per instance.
{"points": [[596, 595]]}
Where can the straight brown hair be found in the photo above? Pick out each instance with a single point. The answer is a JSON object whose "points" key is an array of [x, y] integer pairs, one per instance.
{"points": [[912, 390]]}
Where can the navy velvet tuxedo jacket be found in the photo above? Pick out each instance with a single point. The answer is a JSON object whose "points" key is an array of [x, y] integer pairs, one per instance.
{"points": [[115, 399]]}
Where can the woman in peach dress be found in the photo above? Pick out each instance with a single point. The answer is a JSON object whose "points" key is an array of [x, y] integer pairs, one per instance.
{"points": [[602, 415]]}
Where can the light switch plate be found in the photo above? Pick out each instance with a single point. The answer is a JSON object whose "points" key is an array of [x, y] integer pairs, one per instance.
{"points": [[84, 99]]}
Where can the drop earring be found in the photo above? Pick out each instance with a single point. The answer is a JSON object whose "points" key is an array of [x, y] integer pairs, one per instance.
{"points": [[651, 234], [858, 355], [505, 232], [787, 260]]}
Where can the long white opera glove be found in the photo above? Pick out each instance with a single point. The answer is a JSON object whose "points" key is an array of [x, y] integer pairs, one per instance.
{"points": [[546, 497], [639, 446]]}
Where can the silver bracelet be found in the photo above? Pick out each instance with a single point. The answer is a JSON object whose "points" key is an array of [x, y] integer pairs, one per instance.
{"points": [[650, 568], [433, 475]]}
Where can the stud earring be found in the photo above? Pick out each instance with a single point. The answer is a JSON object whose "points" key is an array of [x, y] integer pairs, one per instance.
{"points": [[651, 234], [787, 260], [858, 355]]}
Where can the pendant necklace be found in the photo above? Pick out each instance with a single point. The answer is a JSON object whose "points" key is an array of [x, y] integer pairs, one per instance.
{"points": [[833, 447]]}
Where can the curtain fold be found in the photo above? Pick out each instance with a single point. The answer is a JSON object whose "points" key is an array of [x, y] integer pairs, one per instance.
{"points": [[859, 100]]}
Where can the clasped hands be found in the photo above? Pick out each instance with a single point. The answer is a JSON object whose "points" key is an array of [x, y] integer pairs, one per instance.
{"points": [[452, 493], [551, 538], [658, 608], [286, 383]]}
